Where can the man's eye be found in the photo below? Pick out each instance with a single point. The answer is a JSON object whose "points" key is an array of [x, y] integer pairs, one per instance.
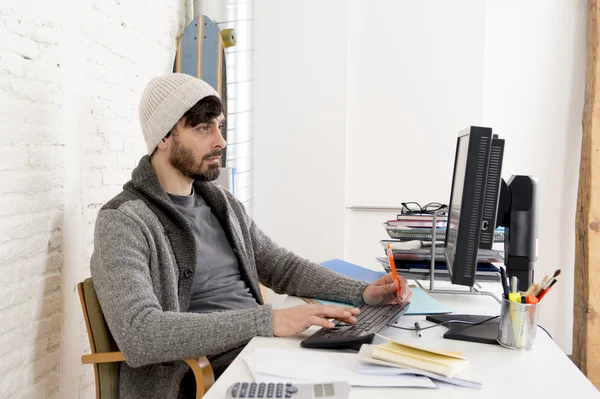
{"points": [[203, 128]]}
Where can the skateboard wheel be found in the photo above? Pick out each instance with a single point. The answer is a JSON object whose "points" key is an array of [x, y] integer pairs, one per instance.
{"points": [[229, 37]]}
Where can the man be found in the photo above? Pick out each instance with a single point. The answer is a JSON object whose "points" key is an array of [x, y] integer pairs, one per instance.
{"points": [[177, 261]]}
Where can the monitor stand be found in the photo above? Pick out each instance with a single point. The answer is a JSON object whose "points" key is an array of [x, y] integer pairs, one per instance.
{"points": [[485, 333], [476, 289]]}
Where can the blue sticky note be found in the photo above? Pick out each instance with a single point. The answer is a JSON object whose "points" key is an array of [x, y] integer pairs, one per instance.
{"points": [[421, 303]]}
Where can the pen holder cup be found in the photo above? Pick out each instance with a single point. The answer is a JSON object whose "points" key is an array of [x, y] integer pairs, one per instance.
{"points": [[518, 325]]}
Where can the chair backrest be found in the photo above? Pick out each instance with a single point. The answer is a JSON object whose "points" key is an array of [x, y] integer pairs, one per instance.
{"points": [[101, 341]]}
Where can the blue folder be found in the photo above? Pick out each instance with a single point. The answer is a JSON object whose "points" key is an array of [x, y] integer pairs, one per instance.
{"points": [[421, 303], [352, 270]]}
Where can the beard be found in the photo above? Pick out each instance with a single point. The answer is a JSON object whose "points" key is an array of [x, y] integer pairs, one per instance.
{"points": [[183, 159]]}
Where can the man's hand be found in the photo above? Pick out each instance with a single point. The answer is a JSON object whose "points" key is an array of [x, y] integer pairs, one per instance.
{"points": [[383, 291], [292, 321]]}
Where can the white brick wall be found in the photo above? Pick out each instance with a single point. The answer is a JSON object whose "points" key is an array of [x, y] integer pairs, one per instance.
{"points": [[69, 89]]}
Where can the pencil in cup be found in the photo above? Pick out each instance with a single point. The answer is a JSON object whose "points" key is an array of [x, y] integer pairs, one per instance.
{"points": [[518, 325]]}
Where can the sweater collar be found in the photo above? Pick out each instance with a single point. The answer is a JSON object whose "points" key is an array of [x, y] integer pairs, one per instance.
{"points": [[145, 181]]}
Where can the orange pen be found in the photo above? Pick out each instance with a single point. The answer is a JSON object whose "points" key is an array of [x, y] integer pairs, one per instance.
{"points": [[532, 300], [394, 273]]}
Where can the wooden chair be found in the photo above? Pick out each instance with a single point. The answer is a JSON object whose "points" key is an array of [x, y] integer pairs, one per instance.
{"points": [[106, 356]]}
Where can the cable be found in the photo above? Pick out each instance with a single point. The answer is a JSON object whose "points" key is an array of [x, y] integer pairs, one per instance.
{"points": [[546, 331], [459, 322], [441, 324]]}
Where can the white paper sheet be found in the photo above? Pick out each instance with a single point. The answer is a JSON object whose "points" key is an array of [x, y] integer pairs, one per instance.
{"points": [[314, 366]]}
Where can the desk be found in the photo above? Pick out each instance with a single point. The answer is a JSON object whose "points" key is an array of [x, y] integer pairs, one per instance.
{"points": [[544, 372]]}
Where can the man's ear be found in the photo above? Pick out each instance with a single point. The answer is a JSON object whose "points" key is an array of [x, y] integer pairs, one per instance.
{"points": [[162, 145]]}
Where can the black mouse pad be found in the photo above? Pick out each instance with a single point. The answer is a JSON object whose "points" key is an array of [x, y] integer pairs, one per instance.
{"points": [[485, 333]]}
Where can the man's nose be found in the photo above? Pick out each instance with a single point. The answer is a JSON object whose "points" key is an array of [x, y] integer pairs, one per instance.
{"points": [[220, 140]]}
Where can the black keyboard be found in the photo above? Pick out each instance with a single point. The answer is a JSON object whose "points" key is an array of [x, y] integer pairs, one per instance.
{"points": [[370, 320]]}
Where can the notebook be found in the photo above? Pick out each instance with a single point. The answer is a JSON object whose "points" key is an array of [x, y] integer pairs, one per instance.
{"points": [[448, 364], [404, 234], [369, 365], [421, 304], [417, 266], [483, 255]]}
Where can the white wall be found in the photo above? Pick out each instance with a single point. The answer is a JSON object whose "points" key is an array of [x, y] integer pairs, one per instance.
{"points": [[416, 72], [533, 97], [415, 78], [300, 124], [70, 81]]}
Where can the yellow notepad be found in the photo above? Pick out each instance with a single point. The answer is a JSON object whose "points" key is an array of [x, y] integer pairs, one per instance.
{"points": [[445, 363]]}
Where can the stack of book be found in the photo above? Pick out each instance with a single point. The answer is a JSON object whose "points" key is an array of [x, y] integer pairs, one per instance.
{"points": [[395, 357], [411, 242]]}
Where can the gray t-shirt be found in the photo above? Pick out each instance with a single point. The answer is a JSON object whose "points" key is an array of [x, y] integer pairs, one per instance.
{"points": [[218, 284]]}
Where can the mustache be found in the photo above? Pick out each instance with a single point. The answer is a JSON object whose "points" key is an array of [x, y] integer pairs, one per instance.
{"points": [[212, 154]]}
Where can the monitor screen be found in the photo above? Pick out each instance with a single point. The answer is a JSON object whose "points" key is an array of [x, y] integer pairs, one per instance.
{"points": [[460, 167]]}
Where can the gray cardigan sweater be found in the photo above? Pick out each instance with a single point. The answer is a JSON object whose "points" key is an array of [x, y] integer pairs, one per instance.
{"points": [[143, 267]]}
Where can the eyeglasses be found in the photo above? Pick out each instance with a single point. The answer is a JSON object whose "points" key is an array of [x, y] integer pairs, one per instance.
{"points": [[414, 207]]}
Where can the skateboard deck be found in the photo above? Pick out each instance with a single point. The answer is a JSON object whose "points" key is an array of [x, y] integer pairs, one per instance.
{"points": [[201, 53]]}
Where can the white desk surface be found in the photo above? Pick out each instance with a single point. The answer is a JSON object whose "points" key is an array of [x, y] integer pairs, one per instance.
{"points": [[542, 372]]}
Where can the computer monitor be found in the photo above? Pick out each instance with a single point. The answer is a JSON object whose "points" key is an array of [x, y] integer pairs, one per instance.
{"points": [[480, 201], [467, 202]]}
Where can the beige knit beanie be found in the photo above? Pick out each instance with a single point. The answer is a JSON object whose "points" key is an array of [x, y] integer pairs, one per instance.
{"points": [[164, 101]]}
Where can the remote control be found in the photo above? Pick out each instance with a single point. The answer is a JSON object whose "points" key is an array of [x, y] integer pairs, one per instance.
{"points": [[331, 390]]}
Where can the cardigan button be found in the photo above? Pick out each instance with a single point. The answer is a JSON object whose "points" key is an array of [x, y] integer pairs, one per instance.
{"points": [[188, 273]]}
